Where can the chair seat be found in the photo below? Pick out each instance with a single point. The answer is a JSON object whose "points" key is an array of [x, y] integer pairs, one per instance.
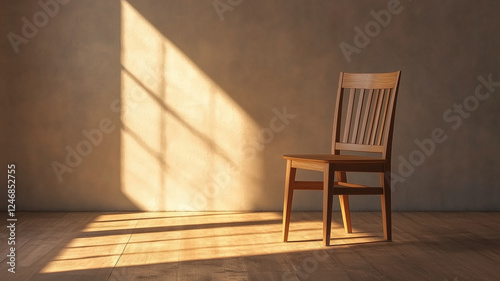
{"points": [[345, 163], [332, 158]]}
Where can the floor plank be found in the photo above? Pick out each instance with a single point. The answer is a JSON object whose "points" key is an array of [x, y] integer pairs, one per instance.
{"points": [[246, 246]]}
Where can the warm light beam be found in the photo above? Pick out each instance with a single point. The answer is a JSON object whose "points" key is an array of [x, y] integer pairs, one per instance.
{"points": [[182, 135]]}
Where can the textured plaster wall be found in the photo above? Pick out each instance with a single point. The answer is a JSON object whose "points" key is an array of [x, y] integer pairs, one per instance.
{"points": [[191, 100]]}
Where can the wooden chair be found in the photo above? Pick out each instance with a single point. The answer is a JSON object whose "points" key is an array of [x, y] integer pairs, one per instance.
{"points": [[364, 124]]}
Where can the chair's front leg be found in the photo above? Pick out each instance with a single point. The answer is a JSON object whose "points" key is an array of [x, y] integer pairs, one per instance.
{"points": [[385, 181], [287, 204], [328, 179]]}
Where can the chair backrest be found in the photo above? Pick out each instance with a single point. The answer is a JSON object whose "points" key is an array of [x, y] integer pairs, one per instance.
{"points": [[364, 112]]}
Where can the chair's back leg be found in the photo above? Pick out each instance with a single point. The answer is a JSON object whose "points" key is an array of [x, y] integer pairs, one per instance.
{"points": [[344, 204], [287, 205], [346, 213]]}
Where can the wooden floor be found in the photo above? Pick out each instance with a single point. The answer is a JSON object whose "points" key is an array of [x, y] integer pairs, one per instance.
{"points": [[246, 246]]}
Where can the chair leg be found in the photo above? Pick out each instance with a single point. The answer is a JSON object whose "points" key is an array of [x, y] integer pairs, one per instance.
{"points": [[386, 206], [344, 204], [328, 179], [287, 205], [346, 213]]}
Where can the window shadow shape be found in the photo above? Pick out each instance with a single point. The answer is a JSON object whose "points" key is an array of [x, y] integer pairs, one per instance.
{"points": [[182, 134]]}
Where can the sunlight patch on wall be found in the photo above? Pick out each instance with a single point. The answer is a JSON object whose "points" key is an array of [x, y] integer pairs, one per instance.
{"points": [[182, 135]]}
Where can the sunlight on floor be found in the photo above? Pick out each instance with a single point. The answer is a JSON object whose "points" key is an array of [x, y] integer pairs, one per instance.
{"points": [[120, 240], [182, 135]]}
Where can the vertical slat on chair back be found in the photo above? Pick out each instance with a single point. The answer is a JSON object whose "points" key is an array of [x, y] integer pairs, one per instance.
{"points": [[364, 112]]}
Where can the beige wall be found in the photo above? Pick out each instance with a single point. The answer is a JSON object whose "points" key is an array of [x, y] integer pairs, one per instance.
{"points": [[176, 105]]}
